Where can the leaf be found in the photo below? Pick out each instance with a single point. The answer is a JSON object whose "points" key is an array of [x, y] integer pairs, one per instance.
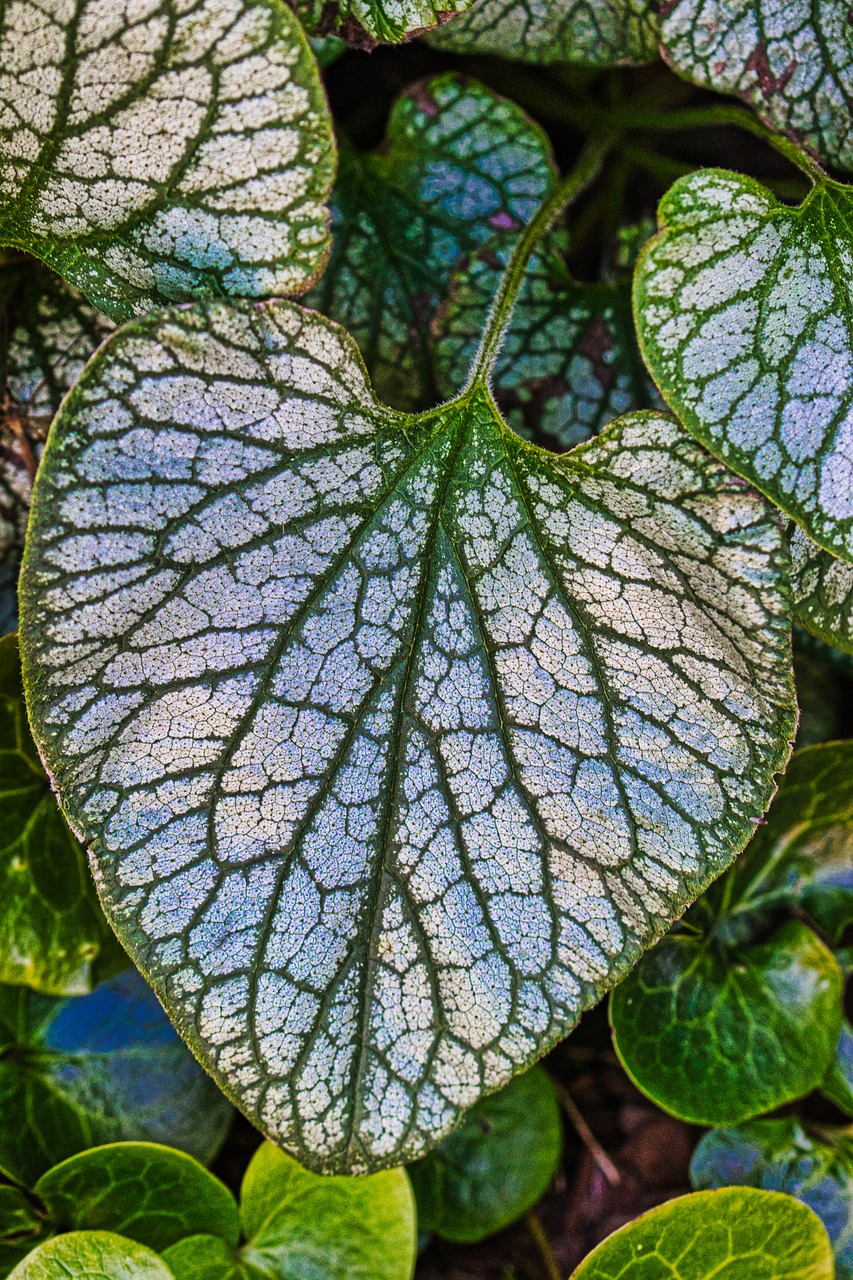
{"points": [[739, 1233], [395, 740], [495, 1166], [208, 1258], [94, 1069], [457, 164], [177, 151], [569, 362], [53, 935], [781, 1155], [744, 317], [596, 32], [823, 592], [792, 64], [716, 1035], [149, 1193], [22, 1226], [91, 1255], [366, 23], [838, 1082], [47, 335]]}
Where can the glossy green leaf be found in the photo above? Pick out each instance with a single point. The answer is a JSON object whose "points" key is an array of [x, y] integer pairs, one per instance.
{"points": [[94, 1069], [595, 32], [47, 334], [716, 1034], [178, 150], [837, 1085], [738, 1233], [457, 164], [91, 1255], [823, 592], [743, 313], [150, 1193], [53, 935], [792, 63], [495, 1166], [781, 1155], [365, 23], [209, 1258], [395, 739], [23, 1225], [569, 362]]}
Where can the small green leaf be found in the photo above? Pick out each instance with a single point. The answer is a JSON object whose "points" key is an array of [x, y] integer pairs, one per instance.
{"points": [[823, 592], [569, 363], [209, 1258], [596, 32], [738, 1233], [780, 1155], [717, 1034], [47, 334], [298, 1224], [400, 738], [181, 150], [149, 1193], [23, 1224], [743, 312], [495, 1166], [53, 935], [91, 1255], [457, 164], [94, 1069], [365, 23]]}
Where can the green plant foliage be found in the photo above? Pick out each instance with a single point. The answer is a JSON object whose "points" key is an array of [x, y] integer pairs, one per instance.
{"points": [[299, 1225], [53, 935], [824, 692], [23, 1225], [738, 1233], [823, 592], [149, 1193], [47, 334], [717, 1026], [94, 1069], [495, 1166], [742, 309], [569, 362], [432, 825], [716, 1033], [182, 150], [457, 164], [782, 1155], [595, 32], [838, 1082], [364, 23], [91, 1255]]}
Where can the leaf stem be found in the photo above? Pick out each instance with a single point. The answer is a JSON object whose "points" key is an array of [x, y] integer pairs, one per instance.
{"points": [[543, 1247], [566, 191]]}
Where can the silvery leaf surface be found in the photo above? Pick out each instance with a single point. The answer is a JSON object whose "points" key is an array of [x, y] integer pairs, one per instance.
{"points": [[823, 592], [395, 739], [366, 23], [163, 150], [744, 310], [457, 164]]}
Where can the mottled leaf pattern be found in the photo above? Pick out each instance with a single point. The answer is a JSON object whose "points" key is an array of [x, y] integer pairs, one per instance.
{"points": [[458, 163], [596, 32], [395, 740], [823, 592], [365, 23], [163, 150], [792, 62], [47, 334], [745, 314], [569, 362]]}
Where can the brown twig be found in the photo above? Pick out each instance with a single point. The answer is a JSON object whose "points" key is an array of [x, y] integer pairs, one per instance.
{"points": [[587, 1137], [549, 1262]]}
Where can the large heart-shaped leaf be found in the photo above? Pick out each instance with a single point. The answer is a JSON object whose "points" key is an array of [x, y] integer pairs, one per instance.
{"points": [[596, 32], [743, 309], [458, 163], [92, 1255], [395, 739], [365, 23], [164, 152]]}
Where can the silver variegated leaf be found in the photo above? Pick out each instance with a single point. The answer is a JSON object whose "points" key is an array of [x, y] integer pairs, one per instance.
{"points": [[163, 150], [366, 23], [744, 310], [823, 592], [395, 739], [595, 32]]}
